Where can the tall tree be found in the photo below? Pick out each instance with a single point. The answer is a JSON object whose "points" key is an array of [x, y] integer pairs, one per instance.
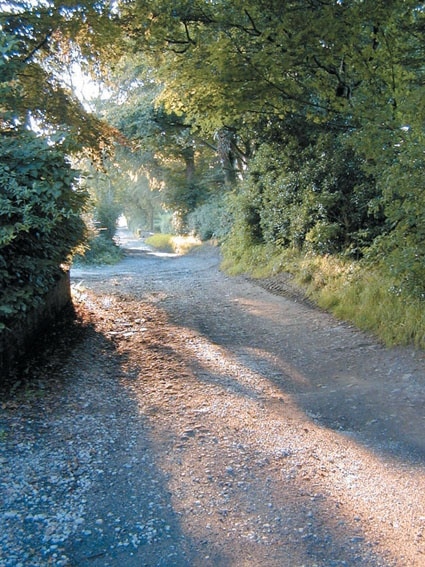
{"points": [[182, 166], [41, 39]]}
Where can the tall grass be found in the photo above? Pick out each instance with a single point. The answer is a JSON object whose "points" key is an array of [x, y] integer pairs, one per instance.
{"points": [[352, 291], [173, 244], [369, 301]]}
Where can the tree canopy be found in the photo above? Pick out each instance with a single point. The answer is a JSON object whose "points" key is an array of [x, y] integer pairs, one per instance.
{"points": [[224, 61], [288, 73], [38, 40]]}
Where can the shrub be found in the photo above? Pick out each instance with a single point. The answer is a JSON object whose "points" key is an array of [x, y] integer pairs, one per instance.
{"points": [[40, 223], [100, 250], [212, 219]]}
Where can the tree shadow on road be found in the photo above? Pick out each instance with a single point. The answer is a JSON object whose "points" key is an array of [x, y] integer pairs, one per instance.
{"points": [[74, 432]]}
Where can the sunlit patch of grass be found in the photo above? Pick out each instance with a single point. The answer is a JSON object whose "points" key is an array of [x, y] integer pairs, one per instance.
{"points": [[184, 244], [363, 295], [172, 243], [161, 242]]}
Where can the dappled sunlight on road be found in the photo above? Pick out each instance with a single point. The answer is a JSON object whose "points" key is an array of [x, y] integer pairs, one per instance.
{"points": [[261, 309], [266, 420], [284, 371], [328, 470], [244, 460], [267, 310]]}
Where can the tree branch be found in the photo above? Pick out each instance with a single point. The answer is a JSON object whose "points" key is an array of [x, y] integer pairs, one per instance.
{"points": [[37, 48]]}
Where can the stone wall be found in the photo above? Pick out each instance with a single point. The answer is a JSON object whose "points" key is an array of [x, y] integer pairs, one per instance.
{"points": [[18, 339]]}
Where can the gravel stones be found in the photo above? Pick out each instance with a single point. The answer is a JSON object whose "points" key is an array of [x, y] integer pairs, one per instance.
{"points": [[197, 420]]}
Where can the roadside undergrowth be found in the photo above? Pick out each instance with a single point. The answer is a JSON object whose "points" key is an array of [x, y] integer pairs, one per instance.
{"points": [[364, 296], [173, 243], [100, 251]]}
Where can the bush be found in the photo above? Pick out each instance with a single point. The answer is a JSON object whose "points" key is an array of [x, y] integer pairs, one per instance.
{"points": [[40, 223], [313, 197], [212, 219], [100, 250]]}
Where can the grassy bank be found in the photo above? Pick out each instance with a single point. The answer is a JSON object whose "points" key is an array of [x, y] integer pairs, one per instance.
{"points": [[172, 243], [352, 291]]}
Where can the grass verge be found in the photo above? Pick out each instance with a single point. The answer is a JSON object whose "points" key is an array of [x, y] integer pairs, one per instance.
{"points": [[352, 291], [172, 243]]}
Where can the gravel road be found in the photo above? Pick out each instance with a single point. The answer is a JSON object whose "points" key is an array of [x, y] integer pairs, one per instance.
{"points": [[191, 419]]}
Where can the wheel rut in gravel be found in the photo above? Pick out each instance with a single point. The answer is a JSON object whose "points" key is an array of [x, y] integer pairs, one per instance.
{"points": [[200, 420]]}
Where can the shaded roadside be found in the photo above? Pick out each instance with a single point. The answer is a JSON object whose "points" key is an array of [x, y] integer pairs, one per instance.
{"points": [[79, 484]]}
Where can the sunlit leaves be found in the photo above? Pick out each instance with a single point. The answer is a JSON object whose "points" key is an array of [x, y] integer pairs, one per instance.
{"points": [[38, 40]]}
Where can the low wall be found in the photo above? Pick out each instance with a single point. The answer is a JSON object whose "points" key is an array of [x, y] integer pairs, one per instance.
{"points": [[18, 339]]}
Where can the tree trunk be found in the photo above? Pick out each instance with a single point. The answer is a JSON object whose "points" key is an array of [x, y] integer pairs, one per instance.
{"points": [[189, 159], [225, 149]]}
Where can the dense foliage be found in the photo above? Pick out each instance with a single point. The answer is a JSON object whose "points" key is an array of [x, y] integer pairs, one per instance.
{"points": [[40, 220], [40, 199], [320, 102], [314, 198]]}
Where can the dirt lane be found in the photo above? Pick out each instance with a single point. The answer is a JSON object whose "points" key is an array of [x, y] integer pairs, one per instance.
{"points": [[200, 420]]}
